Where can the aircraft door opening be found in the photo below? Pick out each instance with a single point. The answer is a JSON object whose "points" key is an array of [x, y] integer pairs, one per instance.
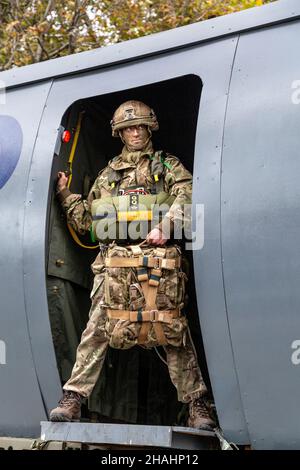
{"points": [[150, 397]]}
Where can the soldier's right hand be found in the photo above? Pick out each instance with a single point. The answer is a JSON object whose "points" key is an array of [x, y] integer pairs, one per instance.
{"points": [[62, 181]]}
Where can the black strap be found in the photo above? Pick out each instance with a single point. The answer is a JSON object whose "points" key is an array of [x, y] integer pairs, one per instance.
{"points": [[114, 180], [157, 172]]}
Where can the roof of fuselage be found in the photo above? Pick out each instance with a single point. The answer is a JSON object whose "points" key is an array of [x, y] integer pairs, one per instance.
{"points": [[185, 36]]}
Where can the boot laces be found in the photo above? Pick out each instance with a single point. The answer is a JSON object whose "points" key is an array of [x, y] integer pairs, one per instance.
{"points": [[69, 397], [199, 407]]}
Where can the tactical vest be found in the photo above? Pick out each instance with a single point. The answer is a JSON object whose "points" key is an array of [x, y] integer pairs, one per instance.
{"points": [[131, 217]]}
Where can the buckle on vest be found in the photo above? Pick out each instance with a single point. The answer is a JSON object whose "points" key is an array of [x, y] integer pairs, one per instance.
{"points": [[153, 315]]}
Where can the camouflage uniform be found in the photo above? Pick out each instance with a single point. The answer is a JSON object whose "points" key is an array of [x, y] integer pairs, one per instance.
{"points": [[182, 362]]}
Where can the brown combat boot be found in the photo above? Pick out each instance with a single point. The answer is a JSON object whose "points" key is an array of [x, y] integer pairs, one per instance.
{"points": [[199, 417], [69, 407]]}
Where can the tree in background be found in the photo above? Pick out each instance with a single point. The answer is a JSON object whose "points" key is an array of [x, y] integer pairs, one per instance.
{"points": [[37, 30]]}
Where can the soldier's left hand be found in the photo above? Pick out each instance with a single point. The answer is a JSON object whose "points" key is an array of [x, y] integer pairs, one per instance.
{"points": [[156, 237]]}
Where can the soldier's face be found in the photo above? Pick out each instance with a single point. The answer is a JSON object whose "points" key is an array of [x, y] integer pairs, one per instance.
{"points": [[135, 137]]}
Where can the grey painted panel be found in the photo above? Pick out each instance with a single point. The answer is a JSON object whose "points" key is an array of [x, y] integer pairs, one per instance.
{"points": [[35, 267], [208, 267], [213, 64], [21, 405], [193, 34], [260, 231]]}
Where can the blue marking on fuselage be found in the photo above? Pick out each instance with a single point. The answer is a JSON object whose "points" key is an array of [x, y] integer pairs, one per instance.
{"points": [[11, 139]]}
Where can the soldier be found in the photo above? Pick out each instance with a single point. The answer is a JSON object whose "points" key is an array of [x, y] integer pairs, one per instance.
{"points": [[152, 290]]}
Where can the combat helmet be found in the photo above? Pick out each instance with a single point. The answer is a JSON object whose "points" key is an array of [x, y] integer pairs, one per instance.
{"points": [[133, 113]]}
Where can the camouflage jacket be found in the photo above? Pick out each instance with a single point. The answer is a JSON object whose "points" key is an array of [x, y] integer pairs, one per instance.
{"points": [[136, 171]]}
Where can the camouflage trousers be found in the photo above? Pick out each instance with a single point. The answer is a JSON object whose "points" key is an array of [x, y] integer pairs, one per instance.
{"points": [[182, 362]]}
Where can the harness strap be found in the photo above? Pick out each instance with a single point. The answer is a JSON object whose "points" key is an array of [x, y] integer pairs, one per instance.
{"points": [[143, 261], [145, 328], [152, 316], [136, 250], [157, 171], [152, 288], [149, 287], [114, 180], [155, 274], [159, 253], [159, 333], [142, 273]]}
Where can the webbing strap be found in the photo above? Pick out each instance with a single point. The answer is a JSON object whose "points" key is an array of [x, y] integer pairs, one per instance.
{"points": [[145, 325], [143, 279], [160, 334], [156, 263], [160, 252], [136, 250], [151, 316], [152, 288], [146, 261], [157, 171], [151, 297], [159, 185], [144, 332]]}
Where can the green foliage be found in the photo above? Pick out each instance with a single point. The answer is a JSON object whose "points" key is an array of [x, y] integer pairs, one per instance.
{"points": [[37, 30]]}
